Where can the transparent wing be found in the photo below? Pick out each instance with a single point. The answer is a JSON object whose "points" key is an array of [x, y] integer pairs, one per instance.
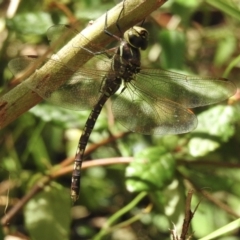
{"points": [[60, 35], [85, 82], [189, 91], [147, 115], [156, 101], [80, 90], [80, 86]]}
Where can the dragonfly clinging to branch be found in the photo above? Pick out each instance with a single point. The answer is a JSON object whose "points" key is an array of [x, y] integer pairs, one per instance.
{"points": [[147, 101]]}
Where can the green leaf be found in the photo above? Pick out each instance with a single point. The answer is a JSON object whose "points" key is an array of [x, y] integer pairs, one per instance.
{"points": [[47, 215], [59, 116], [226, 48], [173, 49], [201, 147], [209, 220], [31, 23], [171, 201], [153, 168], [185, 8], [65, 118], [215, 126]]}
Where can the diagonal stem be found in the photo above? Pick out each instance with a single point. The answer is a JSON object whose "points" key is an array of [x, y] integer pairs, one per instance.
{"points": [[21, 98]]}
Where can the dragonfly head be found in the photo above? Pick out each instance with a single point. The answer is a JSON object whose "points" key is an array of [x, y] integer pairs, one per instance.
{"points": [[137, 37]]}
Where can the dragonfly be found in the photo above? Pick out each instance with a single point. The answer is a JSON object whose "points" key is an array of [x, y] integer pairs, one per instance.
{"points": [[144, 100]]}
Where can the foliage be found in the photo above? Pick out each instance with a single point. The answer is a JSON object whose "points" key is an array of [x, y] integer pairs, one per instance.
{"points": [[141, 197]]}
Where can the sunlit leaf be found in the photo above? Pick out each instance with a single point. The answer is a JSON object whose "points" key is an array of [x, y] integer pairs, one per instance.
{"points": [[171, 201], [215, 126], [63, 117], [47, 214], [152, 169], [209, 220], [25, 23], [226, 48]]}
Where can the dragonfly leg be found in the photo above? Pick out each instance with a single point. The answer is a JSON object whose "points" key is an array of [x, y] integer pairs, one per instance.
{"points": [[109, 33], [117, 23], [105, 52], [96, 53]]}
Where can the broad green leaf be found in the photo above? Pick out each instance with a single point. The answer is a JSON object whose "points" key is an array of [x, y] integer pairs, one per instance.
{"points": [[47, 215], [201, 147], [59, 116], [226, 47], [214, 126], [63, 117], [93, 9], [185, 8], [152, 168], [173, 45], [171, 201], [31, 23], [209, 217]]}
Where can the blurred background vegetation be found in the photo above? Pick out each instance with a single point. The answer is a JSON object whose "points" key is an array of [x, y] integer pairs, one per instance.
{"points": [[194, 37]]}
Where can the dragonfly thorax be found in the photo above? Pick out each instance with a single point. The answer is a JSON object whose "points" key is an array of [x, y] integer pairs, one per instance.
{"points": [[137, 37], [126, 62]]}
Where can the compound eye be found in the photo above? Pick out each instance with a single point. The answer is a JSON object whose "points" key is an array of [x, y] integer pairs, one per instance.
{"points": [[137, 37]]}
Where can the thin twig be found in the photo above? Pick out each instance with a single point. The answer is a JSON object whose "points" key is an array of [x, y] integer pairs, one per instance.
{"points": [[187, 220], [44, 181], [95, 146], [63, 169], [211, 198], [188, 216]]}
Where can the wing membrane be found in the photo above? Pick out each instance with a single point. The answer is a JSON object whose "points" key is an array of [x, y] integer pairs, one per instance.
{"points": [[156, 101], [79, 91], [147, 115], [188, 91]]}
